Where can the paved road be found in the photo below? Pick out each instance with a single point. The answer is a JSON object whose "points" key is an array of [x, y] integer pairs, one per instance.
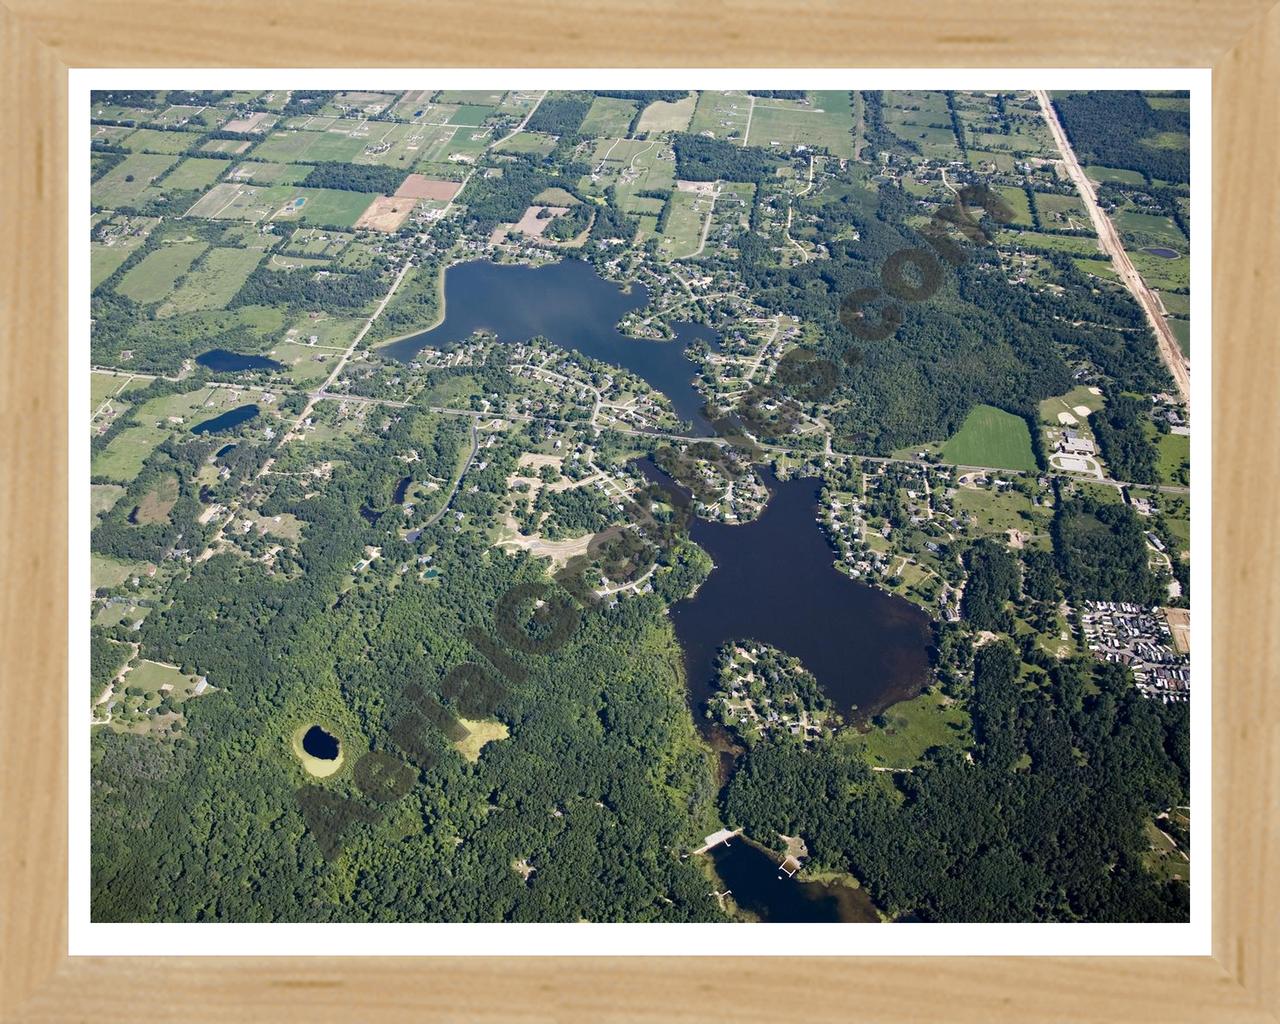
{"points": [[1170, 352]]}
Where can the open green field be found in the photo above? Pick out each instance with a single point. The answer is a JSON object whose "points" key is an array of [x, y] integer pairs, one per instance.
{"points": [[1163, 274], [661, 116], [999, 511], [528, 142], [154, 278], [1058, 211], [122, 459], [683, 235], [102, 497], [194, 172], [317, 242], [239, 201], [471, 115], [237, 147], [108, 572], [1073, 245], [126, 183], [991, 437], [397, 145], [1182, 331], [212, 284], [259, 173], [108, 385], [1100, 268], [1118, 174], [330, 330], [1176, 303], [305, 363], [608, 117], [1139, 229], [1000, 161], [314, 146], [153, 140], [104, 259], [900, 735], [1174, 461], [327, 206], [825, 122], [723, 114], [1017, 200]]}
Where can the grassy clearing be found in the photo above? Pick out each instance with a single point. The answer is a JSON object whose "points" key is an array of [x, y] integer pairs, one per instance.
{"points": [[105, 571], [900, 735], [193, 173], [154, 278], [1058, 211], [157, 503], [102, 498], [326, 206], [684, 228], [152, 140], [661, 116], [608, 117], [1018, 203], [126, 183], [1078, 396], [528, 142], [478, 734], [723, 114], [1120, 174], [1182, 331], [215, 281], [996, 512], [991, 437], [825, 122]]}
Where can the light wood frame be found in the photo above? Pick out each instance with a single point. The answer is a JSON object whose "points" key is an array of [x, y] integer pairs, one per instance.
{"points": [[41, 39]]}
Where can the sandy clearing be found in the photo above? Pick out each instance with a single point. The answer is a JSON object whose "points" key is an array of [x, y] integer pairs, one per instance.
{"points": [[386, 213], [1083, 410], [419, 186], [1067, 418]]}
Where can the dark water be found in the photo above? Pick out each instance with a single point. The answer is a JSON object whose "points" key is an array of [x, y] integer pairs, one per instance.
{"points": [[569, 304], [319, 743], [774, 581], [221, 360], [231, 418], [751, 875], [1159, 250], [224, 449], [401, 487]]}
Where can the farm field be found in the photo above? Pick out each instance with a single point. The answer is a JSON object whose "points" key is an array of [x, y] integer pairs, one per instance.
{"points": [[1059, 211], [661, 116], [991, 437], [153, 140], [194, 172], [154, 278], [608, 117], [632, 166], [212, 284], [528, 142], [825, 122], [683, 232], [130, 180]]}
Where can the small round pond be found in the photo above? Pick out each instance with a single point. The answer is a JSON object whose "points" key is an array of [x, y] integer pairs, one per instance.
{"points": [[319, 750]]}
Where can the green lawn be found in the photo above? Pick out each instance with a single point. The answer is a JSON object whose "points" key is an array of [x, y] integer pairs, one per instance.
{"points": [[991, 437]]}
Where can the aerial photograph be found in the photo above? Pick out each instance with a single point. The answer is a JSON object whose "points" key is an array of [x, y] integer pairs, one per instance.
{"points": [[639, 506]]}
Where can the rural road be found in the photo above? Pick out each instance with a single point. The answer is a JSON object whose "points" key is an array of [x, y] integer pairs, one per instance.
{"points": [[1170, 352]]}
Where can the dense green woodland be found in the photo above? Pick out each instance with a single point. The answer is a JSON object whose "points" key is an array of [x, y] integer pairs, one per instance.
{"points": [[600, 780], [1045, 825], [1114, 128]]}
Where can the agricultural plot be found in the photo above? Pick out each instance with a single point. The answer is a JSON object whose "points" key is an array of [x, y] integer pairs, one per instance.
{"points": [[154, 278], [359, 102], [395, 145], [723, 114], [1182, 332], [471, 116], [661, 116], [194, 173], [991, 437], [1139, 229], [130, 180], [988, 163], [527, 142], [153, 140], [608, 117], [471, 97], [114, 134], [234, 147], [259, 173], [385, 213], [180, 114], [313, 146], [824, 122], [412, 105], [238, 201], [214, 281]]}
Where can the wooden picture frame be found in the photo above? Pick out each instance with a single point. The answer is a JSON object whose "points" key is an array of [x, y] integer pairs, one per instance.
{"points": [[41, 39]]}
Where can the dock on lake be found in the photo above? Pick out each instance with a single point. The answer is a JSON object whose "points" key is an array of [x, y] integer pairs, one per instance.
{"points": [[716, 838]]}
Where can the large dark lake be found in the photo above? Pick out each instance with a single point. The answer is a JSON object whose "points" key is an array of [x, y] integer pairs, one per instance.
{"points": [[569, 304], [774, 581], [232, 418], [223, 361]]}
